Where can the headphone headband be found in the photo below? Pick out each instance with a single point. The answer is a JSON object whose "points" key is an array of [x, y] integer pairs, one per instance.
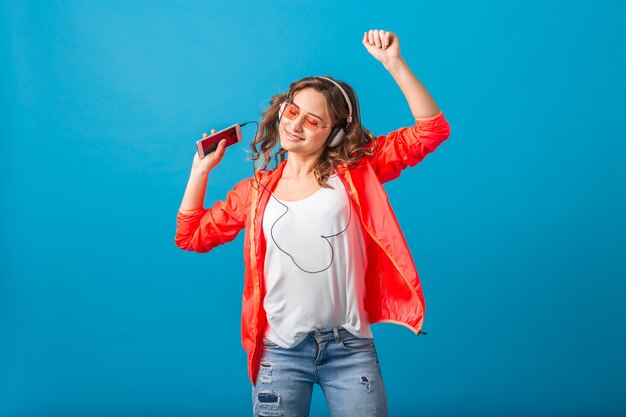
{"points": [[345, 95]]}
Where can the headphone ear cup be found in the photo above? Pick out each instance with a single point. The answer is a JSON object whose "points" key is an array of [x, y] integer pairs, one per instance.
{"points": [[336, 137], [281, 110]]}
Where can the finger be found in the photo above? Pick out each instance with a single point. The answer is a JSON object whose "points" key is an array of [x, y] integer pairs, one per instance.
{"points": [[377, 38], [213, 131], [387, 39], [364, 37], [221, 149], [370, 37], [204, 135]]}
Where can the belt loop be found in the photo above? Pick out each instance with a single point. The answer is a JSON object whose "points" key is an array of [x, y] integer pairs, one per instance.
{"points": [[336, 332]]}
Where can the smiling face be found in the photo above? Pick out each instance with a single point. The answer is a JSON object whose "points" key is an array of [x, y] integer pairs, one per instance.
{"points": [[297, 135]]}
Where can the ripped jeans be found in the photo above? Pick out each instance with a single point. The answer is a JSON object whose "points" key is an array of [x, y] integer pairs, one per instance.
{"points": [[345, 366]]}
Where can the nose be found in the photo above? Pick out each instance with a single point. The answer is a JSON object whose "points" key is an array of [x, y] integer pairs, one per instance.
{"points": [[297, 123]]}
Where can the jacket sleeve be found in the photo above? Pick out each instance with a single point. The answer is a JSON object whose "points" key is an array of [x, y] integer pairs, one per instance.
{"points": [[408, 146], [203, 229]]}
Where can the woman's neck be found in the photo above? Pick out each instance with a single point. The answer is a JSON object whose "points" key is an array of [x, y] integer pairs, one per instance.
{"points": [[300, 167]]}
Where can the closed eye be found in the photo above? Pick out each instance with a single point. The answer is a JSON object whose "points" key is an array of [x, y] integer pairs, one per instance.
{"points": [[312, 121]]}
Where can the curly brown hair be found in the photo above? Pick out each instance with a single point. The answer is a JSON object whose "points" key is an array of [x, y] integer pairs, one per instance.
{"points": [[358, 141]]}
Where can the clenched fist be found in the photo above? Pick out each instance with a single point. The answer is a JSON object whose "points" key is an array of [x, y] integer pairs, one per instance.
{"points": [[383, 45]]}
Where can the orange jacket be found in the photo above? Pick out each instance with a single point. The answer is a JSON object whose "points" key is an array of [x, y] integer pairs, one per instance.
{"points": [[393, 292]]}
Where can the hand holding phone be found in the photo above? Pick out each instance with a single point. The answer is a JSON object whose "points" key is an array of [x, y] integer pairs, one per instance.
{"points": [[207, 144], [204, 165], [210, 149]]}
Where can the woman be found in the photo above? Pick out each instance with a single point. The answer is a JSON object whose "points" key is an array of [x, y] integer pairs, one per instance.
{"points": [[324, 255]]}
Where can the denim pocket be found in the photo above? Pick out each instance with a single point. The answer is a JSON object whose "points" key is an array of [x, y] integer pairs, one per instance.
{"points": [[352, 342]]}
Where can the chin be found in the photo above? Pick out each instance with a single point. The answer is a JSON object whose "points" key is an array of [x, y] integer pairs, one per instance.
{"points": [[284, 143]]}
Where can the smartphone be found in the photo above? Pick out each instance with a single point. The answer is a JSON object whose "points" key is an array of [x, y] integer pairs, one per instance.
{"points": [[207, 145]]}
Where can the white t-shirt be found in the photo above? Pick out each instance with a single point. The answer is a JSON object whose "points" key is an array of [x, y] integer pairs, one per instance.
{"points": [[297, 302]]}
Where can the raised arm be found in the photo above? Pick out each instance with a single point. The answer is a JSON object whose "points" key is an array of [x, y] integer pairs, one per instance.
{"points": [[193, 199], [385, 47], [406, 146], [199, 229]]}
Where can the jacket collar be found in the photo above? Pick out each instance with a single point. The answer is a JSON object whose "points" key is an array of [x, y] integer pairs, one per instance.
{"points": [[269, 180]]}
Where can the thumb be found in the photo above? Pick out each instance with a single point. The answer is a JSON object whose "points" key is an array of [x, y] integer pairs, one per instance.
{"points": [[221, 149]]}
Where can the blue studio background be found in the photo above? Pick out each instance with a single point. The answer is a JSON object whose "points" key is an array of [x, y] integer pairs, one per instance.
{"points": [[516, 223]]}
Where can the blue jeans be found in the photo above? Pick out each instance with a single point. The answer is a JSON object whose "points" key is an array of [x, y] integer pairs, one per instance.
{"points": [[345, 366]]}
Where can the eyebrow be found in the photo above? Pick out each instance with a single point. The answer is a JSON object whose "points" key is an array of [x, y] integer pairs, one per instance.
{"points": [[312, 114]]}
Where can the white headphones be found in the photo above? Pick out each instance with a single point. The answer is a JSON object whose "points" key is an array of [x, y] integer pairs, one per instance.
{"points": [[337, 135]]}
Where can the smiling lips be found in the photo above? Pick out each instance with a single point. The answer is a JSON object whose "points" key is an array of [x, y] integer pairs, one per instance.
{"points": [[292, 136]]}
